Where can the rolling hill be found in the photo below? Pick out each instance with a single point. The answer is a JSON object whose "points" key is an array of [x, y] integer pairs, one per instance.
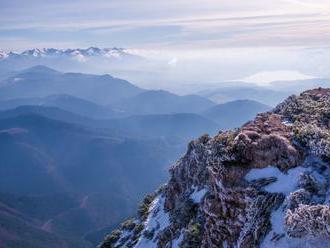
{"points": [[65, 102], [235, 113], [163, 102]]}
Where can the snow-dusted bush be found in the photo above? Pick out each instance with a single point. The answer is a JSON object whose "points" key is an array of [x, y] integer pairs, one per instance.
{"points": [[308, 220], [316, 139]]}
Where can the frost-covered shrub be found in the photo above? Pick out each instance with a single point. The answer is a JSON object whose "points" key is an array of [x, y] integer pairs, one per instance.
{"points": [[138, 229], [308, 220], [145, 205], [310, 107], [315, 139], [298, 197]]}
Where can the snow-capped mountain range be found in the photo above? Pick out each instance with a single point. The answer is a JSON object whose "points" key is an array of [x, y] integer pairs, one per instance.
{"points": [[77, 53]]}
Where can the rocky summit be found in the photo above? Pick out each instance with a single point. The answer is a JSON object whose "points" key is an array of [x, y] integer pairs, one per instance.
{"points": [[265, 184]]}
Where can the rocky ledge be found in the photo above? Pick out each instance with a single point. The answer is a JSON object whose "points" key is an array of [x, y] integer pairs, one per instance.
{"points": [[263, 185]]}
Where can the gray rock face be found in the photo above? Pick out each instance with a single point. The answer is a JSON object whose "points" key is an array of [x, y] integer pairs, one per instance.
{"points": [[263, 185]]}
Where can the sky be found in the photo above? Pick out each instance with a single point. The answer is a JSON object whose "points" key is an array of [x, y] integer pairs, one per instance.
{"points": [[172, 24], [188, 42]]}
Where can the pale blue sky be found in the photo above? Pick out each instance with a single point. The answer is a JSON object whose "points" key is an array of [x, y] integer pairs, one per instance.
{"points": [[163, 24]]}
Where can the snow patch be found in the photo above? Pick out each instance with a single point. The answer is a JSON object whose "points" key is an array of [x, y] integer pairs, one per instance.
{"points": [[277, 220], [176, 242], [157, 218], [287, 123], [197, 195], [285, 183]]}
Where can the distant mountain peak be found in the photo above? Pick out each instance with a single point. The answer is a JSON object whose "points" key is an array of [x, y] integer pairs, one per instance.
{"points": [[40, 69], [35, 52], [76, 52], [3, 54]]}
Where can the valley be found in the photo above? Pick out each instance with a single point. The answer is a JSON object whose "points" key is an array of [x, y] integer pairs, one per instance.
{"points": [[80, 151]]}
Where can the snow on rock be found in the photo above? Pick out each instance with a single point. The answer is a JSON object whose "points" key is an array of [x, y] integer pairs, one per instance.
{"points": [[312, 183], [157, 219], [286, 183]]}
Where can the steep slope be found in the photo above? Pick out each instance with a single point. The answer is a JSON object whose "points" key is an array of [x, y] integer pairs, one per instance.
{"points": [[263, 185], [72, 180], [17, 230], [235, 113], [41, 81], [163, 102]]}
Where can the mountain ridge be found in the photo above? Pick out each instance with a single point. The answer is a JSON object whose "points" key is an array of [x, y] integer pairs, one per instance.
{"points": [[41, 81], [162, 102], [234, 113], [118, 95]]}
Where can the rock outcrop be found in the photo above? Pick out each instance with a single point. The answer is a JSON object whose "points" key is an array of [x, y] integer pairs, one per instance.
{"points": [[263, 185]]}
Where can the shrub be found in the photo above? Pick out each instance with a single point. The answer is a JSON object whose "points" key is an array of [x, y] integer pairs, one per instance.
{"points": [[111, 239], [128, 225], [192, 236], [308, 220], [138, 229], [144, 206], [148, 234]]}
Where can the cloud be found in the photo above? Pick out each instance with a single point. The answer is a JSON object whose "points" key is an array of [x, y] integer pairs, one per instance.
{"points": [[173, 61], [185, 23], [20, 44]]}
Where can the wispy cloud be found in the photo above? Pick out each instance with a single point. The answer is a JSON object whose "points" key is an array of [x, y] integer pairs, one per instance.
{"points": [[170, 23]]}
